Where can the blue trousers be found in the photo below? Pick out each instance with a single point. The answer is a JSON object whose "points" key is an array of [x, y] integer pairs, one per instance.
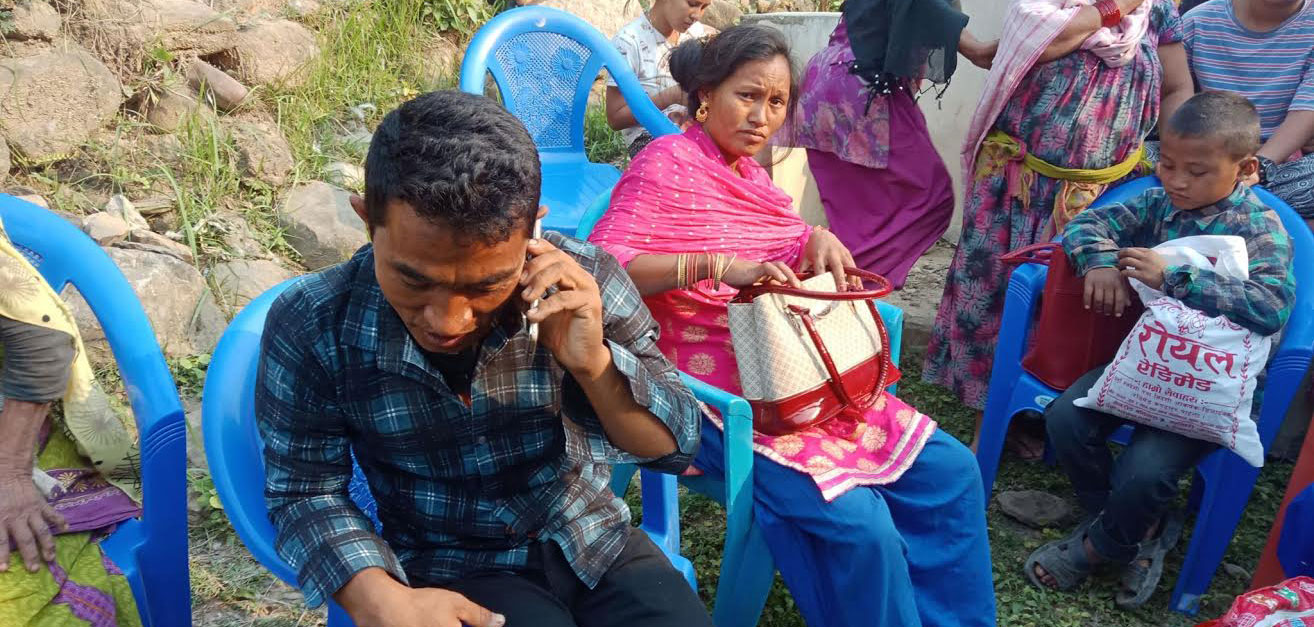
{"points": [[902, 555]]}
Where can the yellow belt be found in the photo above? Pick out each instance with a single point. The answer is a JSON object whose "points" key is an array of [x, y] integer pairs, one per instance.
{"points": [[1080, 187]]}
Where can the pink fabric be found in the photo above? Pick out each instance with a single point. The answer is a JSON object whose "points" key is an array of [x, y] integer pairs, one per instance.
{"points": [[1029, 27], [680, 196]]}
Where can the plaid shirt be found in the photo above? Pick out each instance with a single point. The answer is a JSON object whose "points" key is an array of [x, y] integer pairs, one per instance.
{"points": [[460, 488], [1261, 303]]}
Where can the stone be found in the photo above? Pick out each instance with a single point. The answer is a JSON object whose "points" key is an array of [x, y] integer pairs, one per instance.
{"points": [[356, 142], [320, 224], [168, 109], [174, 296], [1236, 572], [34, 199], [263, 152], [270, 53], [346, 175], [54, 102], [1034, 507], [145, 239], [105, 228], [122, 208], [237, 235], [607, 16], [722, 14], [442, 62], [122, 32], [34, 19], [226, 91], [302, 8], [242, 280], [195, 437]]}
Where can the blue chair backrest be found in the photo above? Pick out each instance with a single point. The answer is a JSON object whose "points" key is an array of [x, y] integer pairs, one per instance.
{"points": [[544, 62], [1300, 328], [64, 255]]}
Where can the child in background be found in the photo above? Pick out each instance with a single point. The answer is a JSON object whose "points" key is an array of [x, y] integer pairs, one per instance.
{"points": [[1208, 151], [646, 43]]}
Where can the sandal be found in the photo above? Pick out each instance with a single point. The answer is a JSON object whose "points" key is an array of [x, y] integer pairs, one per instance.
{"points": [[1064, 560], [1140, 580]]}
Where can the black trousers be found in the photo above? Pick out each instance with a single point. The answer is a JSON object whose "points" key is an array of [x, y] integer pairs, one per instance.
{"points": [[641, 589]]}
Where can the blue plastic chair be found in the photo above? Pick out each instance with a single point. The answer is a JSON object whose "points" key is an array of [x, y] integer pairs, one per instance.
{"points": [[235, 452], [1296, 546], [151, 550], [544, 62], [1227, 479], [747, 568]]}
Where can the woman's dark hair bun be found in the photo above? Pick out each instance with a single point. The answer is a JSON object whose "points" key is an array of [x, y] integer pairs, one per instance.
{"points": [[685, 60]]}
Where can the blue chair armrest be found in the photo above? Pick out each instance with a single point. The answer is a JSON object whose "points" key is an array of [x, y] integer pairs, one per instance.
{"points": [[737, 417]]}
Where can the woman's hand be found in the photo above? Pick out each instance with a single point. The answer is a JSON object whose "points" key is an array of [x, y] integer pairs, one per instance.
{"points": [[825, 253], [981, 54], [26, 518], [742, 274]]}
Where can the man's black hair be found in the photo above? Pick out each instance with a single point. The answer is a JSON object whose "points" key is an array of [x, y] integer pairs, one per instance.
{"points": [[1224, 116], [460, 161]]}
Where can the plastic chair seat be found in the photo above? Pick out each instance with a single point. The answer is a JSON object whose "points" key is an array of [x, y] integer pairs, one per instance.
{"points": [[1223, 480], [569, 187]]}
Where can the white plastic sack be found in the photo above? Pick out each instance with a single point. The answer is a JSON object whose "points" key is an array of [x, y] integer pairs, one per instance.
{"points": [[1182, 371]]}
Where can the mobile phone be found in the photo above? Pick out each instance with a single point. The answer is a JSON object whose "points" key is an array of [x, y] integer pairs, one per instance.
{"points": [[533, 326]]}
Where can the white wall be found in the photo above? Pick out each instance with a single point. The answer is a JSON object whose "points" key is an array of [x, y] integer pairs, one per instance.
{"points": [[947, 118]]}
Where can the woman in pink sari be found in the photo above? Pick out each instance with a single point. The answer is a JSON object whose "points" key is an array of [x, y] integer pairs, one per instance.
{"points": [[871, 521]]}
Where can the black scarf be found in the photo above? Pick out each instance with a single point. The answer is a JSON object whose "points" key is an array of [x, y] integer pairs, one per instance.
{"points": [[898, 41]]}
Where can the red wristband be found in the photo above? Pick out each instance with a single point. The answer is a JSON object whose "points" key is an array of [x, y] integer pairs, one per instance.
{"points": [[1110, 14]]}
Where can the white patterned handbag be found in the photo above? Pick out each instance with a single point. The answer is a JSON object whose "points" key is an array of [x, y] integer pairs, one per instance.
{"points": [[806, 355]]}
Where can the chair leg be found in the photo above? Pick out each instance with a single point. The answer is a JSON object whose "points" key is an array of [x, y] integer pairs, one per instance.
{"points": [[746, 578], [994, 428], [1215, 525]]}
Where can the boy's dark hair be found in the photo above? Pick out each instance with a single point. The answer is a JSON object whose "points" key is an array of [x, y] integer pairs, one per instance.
{"points": [[461, 161], [1227, 117], [705, 63]]}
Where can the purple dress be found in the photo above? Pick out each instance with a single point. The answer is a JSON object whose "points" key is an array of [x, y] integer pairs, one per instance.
{"points": [[886, 192], [1074, 112]]}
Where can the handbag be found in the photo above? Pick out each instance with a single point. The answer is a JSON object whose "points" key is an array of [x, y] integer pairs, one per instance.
{"points": [[1069, 340], [807, 355]]}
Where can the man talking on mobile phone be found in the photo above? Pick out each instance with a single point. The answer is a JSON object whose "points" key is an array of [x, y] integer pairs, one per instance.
{"points": [[488, 453]]}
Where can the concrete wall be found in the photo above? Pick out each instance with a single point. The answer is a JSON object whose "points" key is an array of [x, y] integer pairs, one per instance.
{"points": [[947, 117]]}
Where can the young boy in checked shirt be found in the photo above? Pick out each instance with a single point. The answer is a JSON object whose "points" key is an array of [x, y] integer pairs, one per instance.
{"points": [[1208, 150]]}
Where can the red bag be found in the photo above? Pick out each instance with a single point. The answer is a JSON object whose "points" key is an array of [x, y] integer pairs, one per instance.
{"points": [[1069, 340]]}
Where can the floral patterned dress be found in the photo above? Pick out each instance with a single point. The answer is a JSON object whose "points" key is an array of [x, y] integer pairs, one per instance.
{"points": [[1074, 112]]}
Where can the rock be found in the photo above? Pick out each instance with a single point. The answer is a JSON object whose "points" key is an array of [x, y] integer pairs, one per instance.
{"points": [[241, 280], [356, 142], [722, 14], [195, 438], [302, 8], [174, 296], [122, 208], [1033, 507], [346, 175], [321, 225], [1236, 572], [54, 102], [4, 160], [34, 199], [208, 79], [237, 235], [34, 20], [122, 32], [269, 53], [168, 110], [105, 228], [442, 61], [145, 239], [262, 151], [607, 16]]}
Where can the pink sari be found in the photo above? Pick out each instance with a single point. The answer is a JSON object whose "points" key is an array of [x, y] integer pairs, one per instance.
{"points": [[680, 196]]}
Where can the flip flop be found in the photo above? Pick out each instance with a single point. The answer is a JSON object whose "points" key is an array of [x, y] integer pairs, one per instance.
{"points": [[1139, 580], [1064, 560]]}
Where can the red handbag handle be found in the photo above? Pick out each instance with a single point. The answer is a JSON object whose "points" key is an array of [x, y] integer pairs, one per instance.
{"points": [[1035, 253], [748, 294], [836, 380]]}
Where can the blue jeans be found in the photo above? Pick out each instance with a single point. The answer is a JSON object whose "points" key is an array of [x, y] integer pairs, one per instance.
{"points": [[911, 553], [1126, 498]]}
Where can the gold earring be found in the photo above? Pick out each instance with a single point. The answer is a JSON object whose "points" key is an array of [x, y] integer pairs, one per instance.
{"points": [[701, 113]]}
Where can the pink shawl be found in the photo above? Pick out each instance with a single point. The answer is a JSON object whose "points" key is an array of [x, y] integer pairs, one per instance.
{"points": [[1029, 27], [680, 196]]}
